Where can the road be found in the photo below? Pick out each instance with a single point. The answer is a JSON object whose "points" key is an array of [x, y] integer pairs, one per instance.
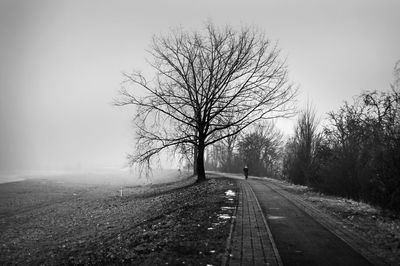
{"points": [[299, 238]]}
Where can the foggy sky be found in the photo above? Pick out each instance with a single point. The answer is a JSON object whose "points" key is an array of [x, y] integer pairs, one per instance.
{"points": [[61, 64]]}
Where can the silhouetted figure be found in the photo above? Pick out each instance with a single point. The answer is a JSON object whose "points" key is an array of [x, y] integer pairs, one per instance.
{"points": [[246, 172]]}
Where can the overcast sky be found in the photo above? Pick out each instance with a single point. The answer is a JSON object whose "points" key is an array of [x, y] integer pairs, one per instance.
{"points": [[61, 64]]}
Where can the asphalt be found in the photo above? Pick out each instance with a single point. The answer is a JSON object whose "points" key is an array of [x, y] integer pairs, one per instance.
{"points": [[270, 230]]}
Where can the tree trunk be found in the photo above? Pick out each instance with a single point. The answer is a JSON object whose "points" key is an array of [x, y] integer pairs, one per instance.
{"points": [[195, 156], [201, 173], [229, 161]]}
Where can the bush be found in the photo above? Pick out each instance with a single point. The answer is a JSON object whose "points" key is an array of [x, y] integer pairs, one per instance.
{"points": [[356, 156]]}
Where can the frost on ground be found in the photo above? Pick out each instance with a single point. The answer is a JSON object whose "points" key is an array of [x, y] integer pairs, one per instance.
{"points": [[381, 229], [48, 222]]}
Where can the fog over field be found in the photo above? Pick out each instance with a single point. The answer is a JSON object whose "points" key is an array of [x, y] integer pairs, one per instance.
{"points": [[61, 65], [110, 176]]}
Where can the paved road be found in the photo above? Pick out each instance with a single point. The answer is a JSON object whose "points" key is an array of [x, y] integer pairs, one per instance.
{"points": [[299, 239]]}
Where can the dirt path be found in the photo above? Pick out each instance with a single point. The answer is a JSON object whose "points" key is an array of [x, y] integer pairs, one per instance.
{"points": [[301, 239]]}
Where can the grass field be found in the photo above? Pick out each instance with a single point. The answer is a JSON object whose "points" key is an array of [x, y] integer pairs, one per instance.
{"points": [[72, 221]]}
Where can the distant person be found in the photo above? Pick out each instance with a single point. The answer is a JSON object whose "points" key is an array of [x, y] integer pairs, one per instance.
{"points": [[246, 172]]}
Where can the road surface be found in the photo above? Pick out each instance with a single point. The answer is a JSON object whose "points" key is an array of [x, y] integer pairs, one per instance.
{"points": [[301, 240]]}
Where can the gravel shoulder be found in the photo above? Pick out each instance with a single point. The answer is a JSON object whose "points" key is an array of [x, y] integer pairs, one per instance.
{"points": [[51, 223]]}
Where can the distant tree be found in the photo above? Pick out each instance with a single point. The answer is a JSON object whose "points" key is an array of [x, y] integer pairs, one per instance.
{"points": [[396, 77], [223, 152], [207, 86], [259, 149], [301, 149]]}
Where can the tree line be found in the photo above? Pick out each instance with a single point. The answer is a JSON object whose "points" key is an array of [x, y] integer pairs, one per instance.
{"points": [[259, 148], [356, 154]]}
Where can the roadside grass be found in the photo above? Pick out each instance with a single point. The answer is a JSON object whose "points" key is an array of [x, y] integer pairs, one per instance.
{"points": [[175, 224]]}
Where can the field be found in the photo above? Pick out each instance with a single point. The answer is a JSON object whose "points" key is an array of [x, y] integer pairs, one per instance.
{"points": [[60, 221]]}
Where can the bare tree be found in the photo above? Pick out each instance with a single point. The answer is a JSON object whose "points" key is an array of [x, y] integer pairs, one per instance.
{"points": [[207, 86], [223, 152], [259, 149], [396, 77], [307, 138], [301, 150]]}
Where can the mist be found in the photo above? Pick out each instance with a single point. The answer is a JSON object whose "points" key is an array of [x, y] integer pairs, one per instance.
{"points": [[61, 65]]}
